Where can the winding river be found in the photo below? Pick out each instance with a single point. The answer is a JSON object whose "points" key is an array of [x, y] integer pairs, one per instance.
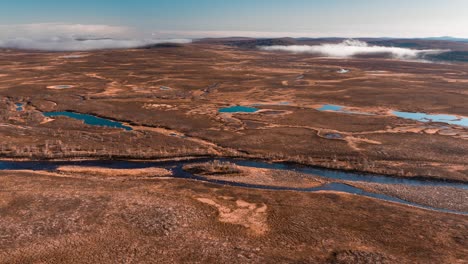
{"points": [[178, 172]]}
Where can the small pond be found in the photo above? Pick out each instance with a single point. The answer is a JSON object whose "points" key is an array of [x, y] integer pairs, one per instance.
{"points": [[340, 109], [89, 119], [423, 117], [19, 107], [329, 107], [238, 109], [333, 136]]}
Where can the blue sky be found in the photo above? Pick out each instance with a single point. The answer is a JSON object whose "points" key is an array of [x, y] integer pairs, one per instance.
{"points": [[349, 18]]}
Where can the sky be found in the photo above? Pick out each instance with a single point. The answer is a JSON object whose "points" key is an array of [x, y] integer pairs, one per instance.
{"points": [[262, 18]]}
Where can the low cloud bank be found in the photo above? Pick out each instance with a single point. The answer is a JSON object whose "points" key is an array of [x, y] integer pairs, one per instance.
{"points": [[350, 48], [80, 44], [74, 37]]}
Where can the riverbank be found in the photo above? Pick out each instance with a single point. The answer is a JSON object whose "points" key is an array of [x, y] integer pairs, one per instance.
{"points": [[259, 175], [204, 158]]}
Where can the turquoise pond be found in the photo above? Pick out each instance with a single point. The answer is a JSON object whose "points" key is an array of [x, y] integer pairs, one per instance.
{"points": [[238, 109], [340, 109], [19, 107], [329, 107], [422, 117], [90, 119]]}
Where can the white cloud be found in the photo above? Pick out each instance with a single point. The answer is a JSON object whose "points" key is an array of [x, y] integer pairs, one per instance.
{"points": [[350, 48], [46, 30], [74, 37], [70, 44]]}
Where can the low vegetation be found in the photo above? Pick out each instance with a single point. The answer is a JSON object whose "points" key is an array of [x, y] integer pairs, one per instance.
{"points": [[108, 172], [213, 168]]}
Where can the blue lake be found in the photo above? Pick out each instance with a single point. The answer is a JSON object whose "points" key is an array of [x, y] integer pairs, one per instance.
{"points": [[422, 117], [89, 119], [238, 109]]}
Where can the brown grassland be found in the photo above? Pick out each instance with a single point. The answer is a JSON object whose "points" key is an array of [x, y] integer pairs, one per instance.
{"points": [[170, 97]]}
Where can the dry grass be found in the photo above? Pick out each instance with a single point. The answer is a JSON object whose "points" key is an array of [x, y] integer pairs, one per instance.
{"points": [[248, 215], [269, 177], [213, 168], [438, 197], [106, 172], [45, 219]]}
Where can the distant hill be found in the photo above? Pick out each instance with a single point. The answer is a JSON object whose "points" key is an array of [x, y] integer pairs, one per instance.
{"points": [[420, 44], [452, 56], [250, 43], [416, 43], [162, 45], [448, 39]]}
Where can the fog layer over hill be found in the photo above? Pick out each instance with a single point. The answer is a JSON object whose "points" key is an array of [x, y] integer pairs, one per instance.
{"points": [[350, 48], [75, 37]]}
